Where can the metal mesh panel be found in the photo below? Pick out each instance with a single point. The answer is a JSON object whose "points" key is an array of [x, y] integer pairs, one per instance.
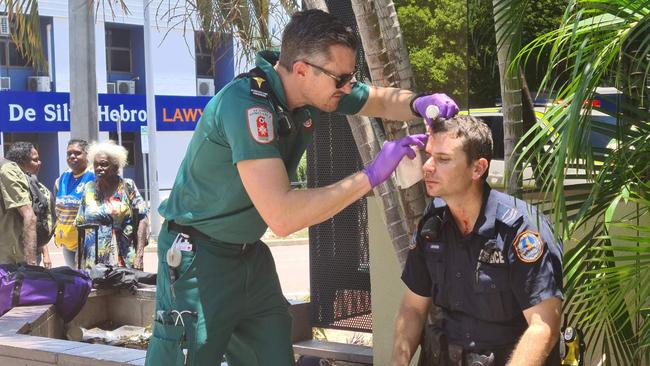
{"points": [[339, 255]]}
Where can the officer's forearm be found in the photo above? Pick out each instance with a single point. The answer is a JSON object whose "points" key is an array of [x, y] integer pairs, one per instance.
{"points": [[534, 346], [408, 330]]}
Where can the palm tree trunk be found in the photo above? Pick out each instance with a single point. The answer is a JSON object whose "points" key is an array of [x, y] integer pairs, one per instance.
{"points": [[508, 43], [402, 209], [389, 65], [316, 4]]}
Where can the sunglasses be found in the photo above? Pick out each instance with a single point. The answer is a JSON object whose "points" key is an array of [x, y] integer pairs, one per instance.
{"points": [[341, 80]]}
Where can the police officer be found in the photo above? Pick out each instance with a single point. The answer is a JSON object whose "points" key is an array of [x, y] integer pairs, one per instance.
{"points": [[488, 260], [218, 291]]}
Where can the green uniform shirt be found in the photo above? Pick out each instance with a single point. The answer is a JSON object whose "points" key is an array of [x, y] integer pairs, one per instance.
{"points": [[14, 192], [208, 193]]}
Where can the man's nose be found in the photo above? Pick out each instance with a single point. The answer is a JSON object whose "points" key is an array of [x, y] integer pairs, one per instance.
{"points": [[428, 167]]}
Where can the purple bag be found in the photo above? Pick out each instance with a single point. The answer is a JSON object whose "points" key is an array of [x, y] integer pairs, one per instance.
{"points": [[23, 285]]}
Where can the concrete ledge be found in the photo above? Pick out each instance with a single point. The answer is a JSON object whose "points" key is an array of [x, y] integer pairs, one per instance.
{"points": [[335, 351], [21, 345], [20, 320], [286, 242], [25, 331], [301, 324]]}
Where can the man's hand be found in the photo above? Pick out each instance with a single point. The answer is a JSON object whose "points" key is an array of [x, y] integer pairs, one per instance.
{"points": [[390, 155], [439, 102]]}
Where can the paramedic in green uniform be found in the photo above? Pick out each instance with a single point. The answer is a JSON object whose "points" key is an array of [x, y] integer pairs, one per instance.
{"points": [[218, 292]]}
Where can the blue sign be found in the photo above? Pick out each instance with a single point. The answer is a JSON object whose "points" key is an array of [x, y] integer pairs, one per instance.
{"points": [[50, 112], [179, 113]]}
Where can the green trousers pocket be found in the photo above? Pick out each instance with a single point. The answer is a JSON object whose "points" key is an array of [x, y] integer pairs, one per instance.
{"points": [[166, 345]]}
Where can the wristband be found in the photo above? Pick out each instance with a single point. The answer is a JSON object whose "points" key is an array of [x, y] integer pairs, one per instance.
{"points": [[412, 104]]}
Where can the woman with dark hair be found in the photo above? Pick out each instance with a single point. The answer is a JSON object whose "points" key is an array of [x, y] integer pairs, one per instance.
{"points": [[68, 191], [26, 156], [115, 205]]}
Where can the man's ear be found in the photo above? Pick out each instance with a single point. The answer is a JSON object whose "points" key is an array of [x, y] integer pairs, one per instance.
{"points": [[480, 167], [299, 68]]}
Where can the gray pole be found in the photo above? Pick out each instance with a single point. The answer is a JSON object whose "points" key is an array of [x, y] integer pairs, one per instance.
{"points": [[151, 124], [83, 76]]}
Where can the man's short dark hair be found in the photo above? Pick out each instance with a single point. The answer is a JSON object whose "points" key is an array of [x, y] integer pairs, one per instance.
{"points": [[475, 134], [83, 144], [310, 34], [20, 152]]}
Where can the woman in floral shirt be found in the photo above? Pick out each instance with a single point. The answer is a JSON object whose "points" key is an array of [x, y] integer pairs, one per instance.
{"points": [[115, 205]]}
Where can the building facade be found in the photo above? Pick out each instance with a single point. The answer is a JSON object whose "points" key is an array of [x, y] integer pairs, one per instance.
{"points": [[34, 104]]}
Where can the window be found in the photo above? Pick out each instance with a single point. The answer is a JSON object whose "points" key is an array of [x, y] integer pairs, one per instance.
{"points": [[3, 54], [118, 50], [128, 141], [9, 55], [204, 56]]}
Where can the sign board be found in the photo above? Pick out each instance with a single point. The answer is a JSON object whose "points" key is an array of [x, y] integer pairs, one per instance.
{"points": [[50, 112], [144, 139]]}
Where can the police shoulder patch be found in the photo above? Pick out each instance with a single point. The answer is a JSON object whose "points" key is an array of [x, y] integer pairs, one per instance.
{"points": [[260, 124], [528, 246]]}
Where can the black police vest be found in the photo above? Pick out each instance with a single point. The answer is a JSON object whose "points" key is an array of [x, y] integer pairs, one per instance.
{"points": [[469, 279]]}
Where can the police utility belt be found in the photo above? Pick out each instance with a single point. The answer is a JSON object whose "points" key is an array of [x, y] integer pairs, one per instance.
{"points": [[437, 352]]}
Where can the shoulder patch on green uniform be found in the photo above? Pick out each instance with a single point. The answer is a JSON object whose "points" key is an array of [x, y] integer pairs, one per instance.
{"points": [[528, 246], [260, 124]]}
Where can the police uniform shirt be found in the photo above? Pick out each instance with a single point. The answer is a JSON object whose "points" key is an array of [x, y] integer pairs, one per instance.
{"points": [[236, 125], [483, 281]]}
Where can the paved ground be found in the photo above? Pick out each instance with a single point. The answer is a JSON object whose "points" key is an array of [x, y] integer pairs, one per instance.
{"points": [[291, 260]]}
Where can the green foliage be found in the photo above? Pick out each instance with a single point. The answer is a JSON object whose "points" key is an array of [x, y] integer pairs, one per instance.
{"points": [[25, 29], [436, 42], [606, 272], [301, 171], [444, 38]]}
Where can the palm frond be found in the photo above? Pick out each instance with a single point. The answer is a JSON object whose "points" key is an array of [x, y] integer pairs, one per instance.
{"points": [[26, 30], [600, 196], [248, 21]]}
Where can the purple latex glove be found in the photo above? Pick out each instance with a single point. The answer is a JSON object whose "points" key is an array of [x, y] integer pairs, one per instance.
{"points": [[428, 105], [390, 155]]}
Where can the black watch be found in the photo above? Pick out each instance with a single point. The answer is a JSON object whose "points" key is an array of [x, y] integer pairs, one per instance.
{"points": [[412, 103]]}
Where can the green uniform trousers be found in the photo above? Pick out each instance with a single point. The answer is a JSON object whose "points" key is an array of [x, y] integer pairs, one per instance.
{"points": [[226, 299]]}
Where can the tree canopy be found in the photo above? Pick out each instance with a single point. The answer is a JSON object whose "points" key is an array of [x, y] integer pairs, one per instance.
{"points": [[441, 45]]}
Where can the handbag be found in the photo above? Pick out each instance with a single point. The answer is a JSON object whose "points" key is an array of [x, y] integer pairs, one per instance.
{"points": [[22, 285]]}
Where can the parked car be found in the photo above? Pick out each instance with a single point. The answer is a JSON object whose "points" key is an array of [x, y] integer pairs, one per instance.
{"points": [[493, 117]]}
